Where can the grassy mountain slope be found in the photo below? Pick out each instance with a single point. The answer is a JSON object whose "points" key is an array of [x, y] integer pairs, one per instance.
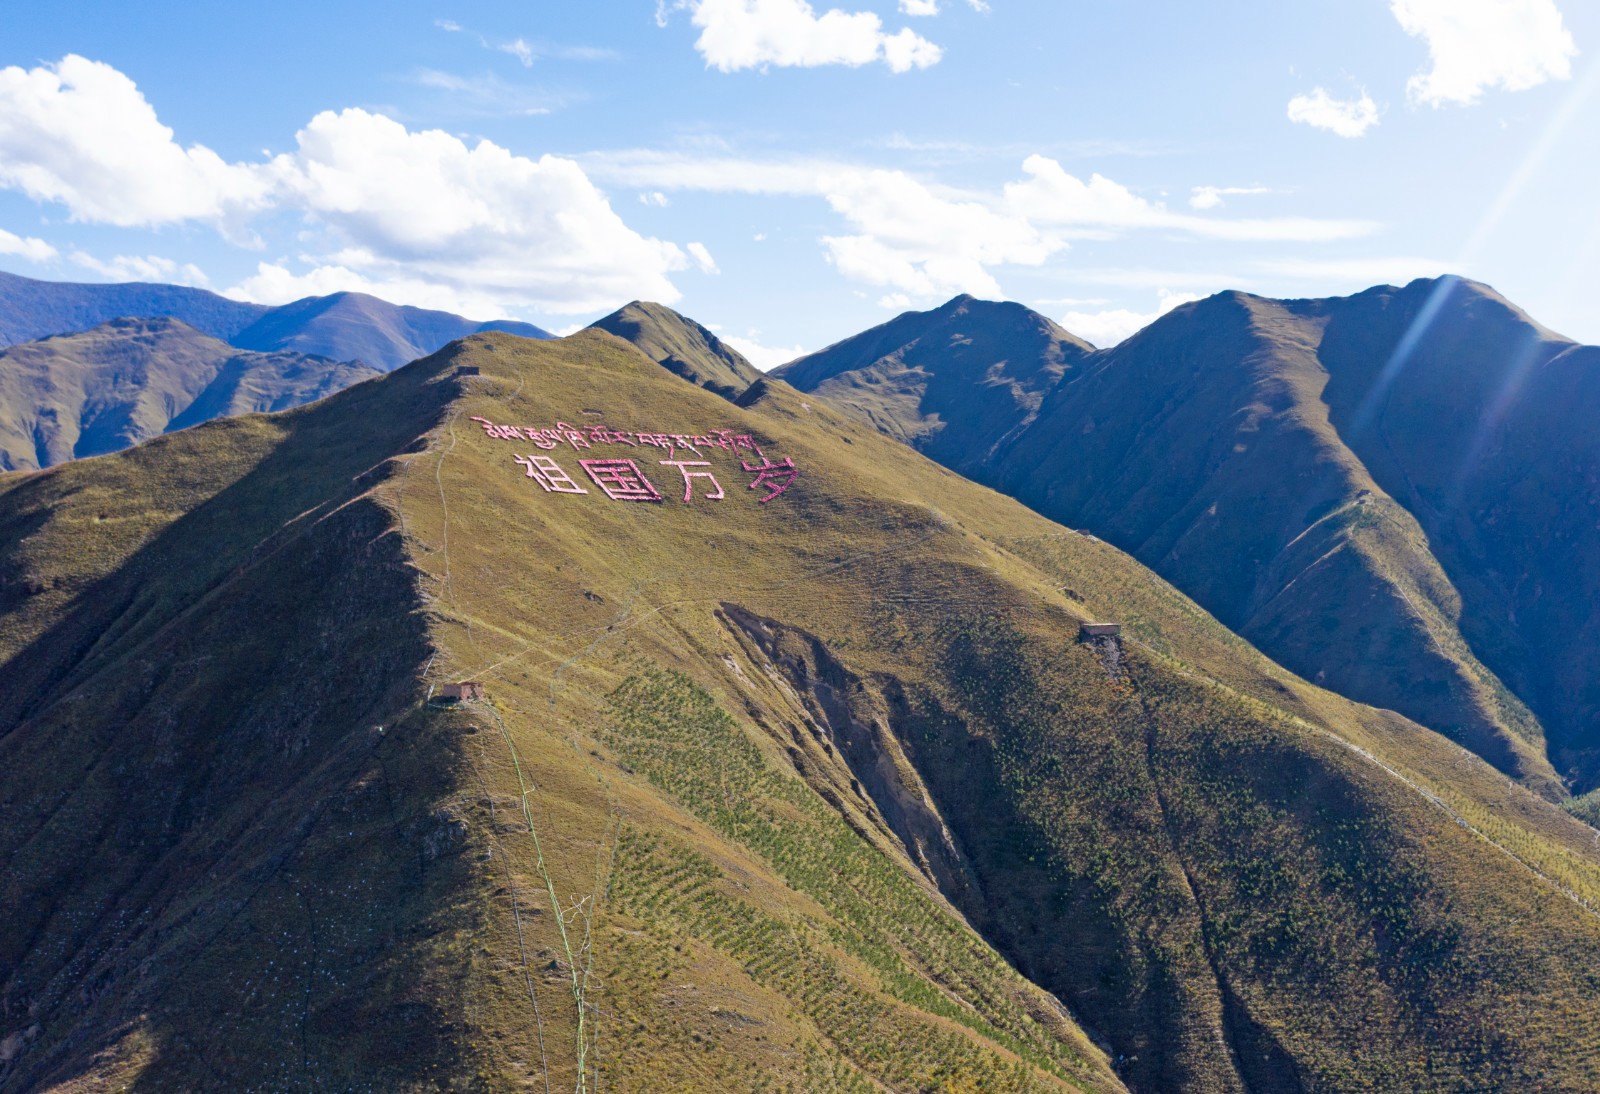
{"points": [[1203, 445], [127, 380], [352, 326], [31, 309], [954, 381], [682, 346], [758, 799]]}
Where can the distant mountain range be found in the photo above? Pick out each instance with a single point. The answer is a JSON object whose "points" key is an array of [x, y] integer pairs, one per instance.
{"points": [[345, 326], [113, 383], [1394, 494]]}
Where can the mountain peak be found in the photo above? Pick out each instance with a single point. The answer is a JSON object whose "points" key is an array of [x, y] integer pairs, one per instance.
{"points": [[681, 346]]}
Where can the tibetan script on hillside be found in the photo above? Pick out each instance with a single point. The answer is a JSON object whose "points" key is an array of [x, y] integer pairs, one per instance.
{"points": [[635, 477]]}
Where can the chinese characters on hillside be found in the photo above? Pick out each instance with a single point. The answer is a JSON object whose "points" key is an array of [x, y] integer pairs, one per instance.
{"points": [[635, 478]]}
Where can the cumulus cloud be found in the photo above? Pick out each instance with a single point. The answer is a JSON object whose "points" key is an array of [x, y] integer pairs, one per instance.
{"points": [[34, 250], [1344, 117], [81, 133], [420, 211], [1476, 45], [478, 218], [1113, 325], [145, 268], [739, 34], [919, 7], [1210, 197]]}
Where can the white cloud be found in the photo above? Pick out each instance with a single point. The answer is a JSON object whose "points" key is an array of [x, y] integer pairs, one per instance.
{"points": [[80, 133], [919, 241], [449, 25], [1344, 117], [519, 49], [1210, 197], [477, 219], [1051, 196], [421, 211], [922, 243], [34, 250], [1107, 328], [702, 258], [146, 268], [739, 34], [919, 7], [654, 197], [765, 358], [488, 94], [1476, 45]]}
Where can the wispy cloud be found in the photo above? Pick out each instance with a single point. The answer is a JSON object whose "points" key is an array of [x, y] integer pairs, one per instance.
{"points": [[488, 95], [916, 239], [1210, 197]]}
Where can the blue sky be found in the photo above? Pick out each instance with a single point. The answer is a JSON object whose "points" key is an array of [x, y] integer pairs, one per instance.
{"points": [[789, 173]]}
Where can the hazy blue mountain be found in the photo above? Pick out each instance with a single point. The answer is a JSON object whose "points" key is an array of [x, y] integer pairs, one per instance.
{"points": [[352, 326], [31, 309], [343, 326]]}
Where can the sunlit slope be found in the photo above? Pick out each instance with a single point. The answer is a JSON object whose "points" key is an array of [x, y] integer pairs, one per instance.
{"points": [[766, 793], [1206, 859], [681, 346]]}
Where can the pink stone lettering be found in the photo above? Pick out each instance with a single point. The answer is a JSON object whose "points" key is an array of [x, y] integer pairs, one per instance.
{"points": [[622, 480], [774, 477], [689, 477], [548, 474]]}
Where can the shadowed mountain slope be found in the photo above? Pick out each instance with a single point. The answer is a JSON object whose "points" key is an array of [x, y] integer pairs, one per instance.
{"points": [[125, 381], [810, 790], [352, 326], [954, 382], [1237, 446], [682, 346]]}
